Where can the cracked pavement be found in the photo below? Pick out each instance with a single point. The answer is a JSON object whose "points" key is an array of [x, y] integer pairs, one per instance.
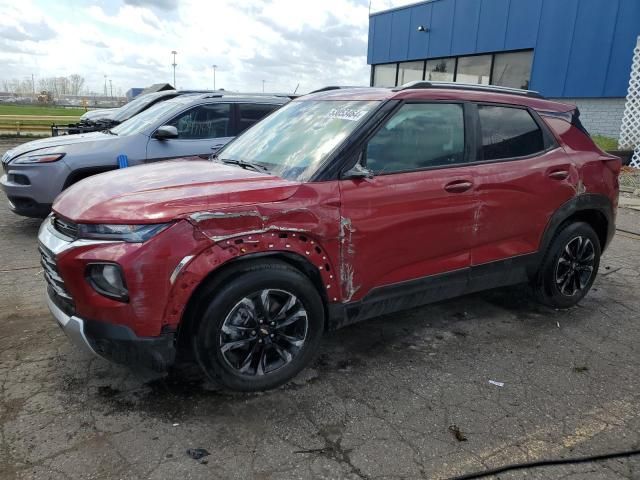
{"points": [[378, 402]]}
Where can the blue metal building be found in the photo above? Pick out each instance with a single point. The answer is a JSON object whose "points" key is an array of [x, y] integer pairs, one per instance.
{"points": [[580, 50]]}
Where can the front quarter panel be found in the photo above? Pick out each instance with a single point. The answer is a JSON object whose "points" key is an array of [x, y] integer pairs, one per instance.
{"points": [[305, 225]]}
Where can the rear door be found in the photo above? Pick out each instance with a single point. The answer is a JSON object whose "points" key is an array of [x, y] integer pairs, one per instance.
{"points": [[413, 218], [523, 178], [202, 130]]}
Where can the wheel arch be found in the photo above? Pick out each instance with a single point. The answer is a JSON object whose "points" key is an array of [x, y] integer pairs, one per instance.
{"points": [[237, 266], [82, 173], [596, 210]]}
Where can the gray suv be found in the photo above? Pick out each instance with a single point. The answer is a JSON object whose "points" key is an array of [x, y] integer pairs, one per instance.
{"points": [[188, 125]]}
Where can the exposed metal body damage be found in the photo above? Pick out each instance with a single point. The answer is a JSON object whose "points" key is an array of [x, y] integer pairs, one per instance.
{"points": [[347, 252]]}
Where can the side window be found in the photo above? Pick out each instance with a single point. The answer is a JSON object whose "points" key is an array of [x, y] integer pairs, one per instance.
{"points": [[418, 136], [508, 133], [204, 121], [250, 113]]}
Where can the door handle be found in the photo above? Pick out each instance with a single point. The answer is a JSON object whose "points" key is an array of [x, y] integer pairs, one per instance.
{"points": [[559, 174], [458, 186]]}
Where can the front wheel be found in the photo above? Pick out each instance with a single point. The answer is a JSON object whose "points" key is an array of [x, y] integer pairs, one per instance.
{"points": [[569, 267], [261, 329]]}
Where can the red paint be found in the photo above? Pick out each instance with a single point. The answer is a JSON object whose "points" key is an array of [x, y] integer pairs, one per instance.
{"points": [[358, 234]]}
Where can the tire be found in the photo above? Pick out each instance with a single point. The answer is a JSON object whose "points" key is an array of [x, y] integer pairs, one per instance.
{"points": [[569, 267], [249, 340]]}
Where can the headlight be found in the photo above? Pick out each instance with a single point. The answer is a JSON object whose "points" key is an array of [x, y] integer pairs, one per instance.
{"points": [[38, 157], [125, 233], [107, 280]]}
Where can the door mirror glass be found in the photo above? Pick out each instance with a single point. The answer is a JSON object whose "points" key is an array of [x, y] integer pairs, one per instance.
{"points": [[166, 132]]}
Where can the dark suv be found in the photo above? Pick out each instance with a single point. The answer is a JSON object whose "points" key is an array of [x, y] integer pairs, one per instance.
{"points": [[338, 207]]}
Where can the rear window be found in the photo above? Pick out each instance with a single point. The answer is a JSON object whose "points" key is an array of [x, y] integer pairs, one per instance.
{"points": [[509, 133], [251, 113]]}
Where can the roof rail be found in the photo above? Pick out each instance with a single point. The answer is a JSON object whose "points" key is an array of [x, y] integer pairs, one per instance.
{"points": [[333, 87], [467, 86]]}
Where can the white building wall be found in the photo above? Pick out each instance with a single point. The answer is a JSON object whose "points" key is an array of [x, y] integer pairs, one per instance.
{"points": [[600, 116]]}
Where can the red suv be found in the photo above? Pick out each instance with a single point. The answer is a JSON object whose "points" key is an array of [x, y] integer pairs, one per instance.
{"points": [[340, 206]]}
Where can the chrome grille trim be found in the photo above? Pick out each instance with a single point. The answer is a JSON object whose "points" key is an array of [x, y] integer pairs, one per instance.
{"points": [[68, 229], [51, 274]]}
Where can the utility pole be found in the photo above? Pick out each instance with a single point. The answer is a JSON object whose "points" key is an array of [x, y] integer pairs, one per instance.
{"points": [[174, 68], [262, 86], [214, 75], [105, 85], [111, 87], [33, 85]]}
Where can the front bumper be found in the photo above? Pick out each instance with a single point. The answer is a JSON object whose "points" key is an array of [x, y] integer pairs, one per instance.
{"points": [[31, 189], [71, 325], [113, 342]]}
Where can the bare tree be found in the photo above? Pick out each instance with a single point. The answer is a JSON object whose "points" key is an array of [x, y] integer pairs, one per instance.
{"points": [[77, 82]]}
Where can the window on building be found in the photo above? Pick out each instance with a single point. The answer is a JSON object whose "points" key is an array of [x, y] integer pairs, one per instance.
{"points": [[250, 113], [418, 136], [512, 69], [441, 70], [508, 133], [385, 75], [204, 121], [476, 69], [409, 72]]}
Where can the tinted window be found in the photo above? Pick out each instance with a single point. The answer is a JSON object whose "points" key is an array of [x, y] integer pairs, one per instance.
{"points": [[409, 72], [251, 113], [204, 121], [512, 69], [384, 75], [474, 69], [441, 70], [418, 136], [508, 132]]}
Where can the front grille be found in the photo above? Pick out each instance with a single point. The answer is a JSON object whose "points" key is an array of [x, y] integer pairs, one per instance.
{"points": [[56, 287], [66, 228]]}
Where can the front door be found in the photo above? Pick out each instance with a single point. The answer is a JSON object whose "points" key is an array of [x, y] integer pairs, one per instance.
{"points": [[202, 130], [414, 218]]}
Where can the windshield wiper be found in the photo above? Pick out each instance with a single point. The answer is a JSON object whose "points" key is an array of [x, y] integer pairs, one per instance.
{"points": [[241, 163], [108, 131]]}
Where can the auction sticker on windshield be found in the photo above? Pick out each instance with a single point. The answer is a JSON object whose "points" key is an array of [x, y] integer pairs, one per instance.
{"points": [[346, 113]]}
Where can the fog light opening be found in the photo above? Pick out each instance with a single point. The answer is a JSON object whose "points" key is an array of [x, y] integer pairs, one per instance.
{"points": [[108, 280]]}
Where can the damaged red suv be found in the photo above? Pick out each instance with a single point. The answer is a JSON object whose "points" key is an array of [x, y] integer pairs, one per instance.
{"points": [[340, 206]]}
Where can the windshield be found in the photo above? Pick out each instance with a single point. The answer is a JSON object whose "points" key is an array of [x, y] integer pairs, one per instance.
{"points": [[296, 139], [140, 122], [127, 111]]}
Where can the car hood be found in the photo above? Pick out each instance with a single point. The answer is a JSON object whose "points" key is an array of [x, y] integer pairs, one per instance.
{"points": [[59, 143], [167, 190]]}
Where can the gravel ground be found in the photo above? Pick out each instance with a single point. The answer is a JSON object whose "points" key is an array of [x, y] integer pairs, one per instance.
{"points": [[381, 401]]}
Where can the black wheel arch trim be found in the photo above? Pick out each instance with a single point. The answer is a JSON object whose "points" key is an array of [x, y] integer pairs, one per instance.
{"points": [[581, 203]]}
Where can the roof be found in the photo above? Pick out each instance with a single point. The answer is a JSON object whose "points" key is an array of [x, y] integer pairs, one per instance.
{"points": [[439, 93], [229, 97], [157, 87]]}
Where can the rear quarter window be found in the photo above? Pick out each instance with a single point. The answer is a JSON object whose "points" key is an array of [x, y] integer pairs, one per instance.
{"points": [[509, 132], [250, 113]]}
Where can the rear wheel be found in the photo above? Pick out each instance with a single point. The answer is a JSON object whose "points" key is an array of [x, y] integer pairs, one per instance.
{"points": [[261, 329], [569, 267]]}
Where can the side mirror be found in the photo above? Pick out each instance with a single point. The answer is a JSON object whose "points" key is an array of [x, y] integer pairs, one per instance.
{"points": [[357, 172], [166, 132]]}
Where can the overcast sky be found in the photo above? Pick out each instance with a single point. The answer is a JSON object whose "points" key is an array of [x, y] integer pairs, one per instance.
{"points": [[311, 42]]}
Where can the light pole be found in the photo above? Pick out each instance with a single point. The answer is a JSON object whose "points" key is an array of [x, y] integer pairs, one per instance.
{"points": [[111, 87], [262, 86], [174, 67], [214, 75], [105, 85]]}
